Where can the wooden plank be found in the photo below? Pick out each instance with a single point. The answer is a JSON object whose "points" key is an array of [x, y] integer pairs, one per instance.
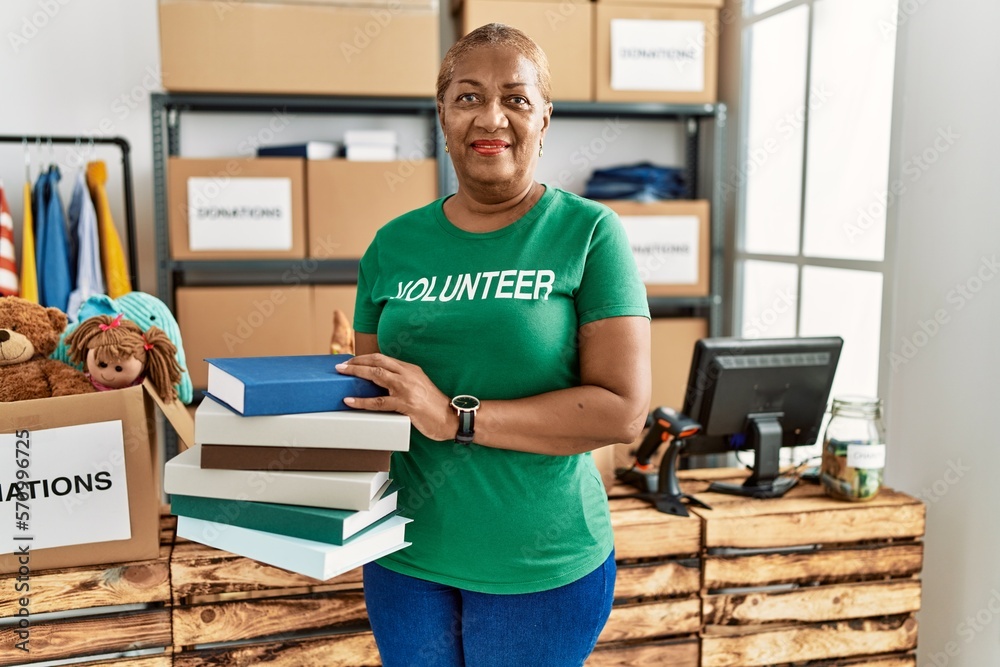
{"points": [[197, 570], [90, 635], [825, 565], [82, 587], [756, 646], [897, 660], [814, 603], [250, 619], [162, 660], [349, 650], [665, 579], [803, 498], [657, 620], [675, 653], [817, 525], [642, 532]]}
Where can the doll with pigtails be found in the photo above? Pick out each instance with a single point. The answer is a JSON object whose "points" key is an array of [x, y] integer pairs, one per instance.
{"points": [[116, 353]]}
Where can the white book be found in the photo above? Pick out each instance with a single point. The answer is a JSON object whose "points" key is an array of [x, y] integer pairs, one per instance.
{"points": [[184, 475], [215, 424], [313, 559], [362, 153], [371, 138]]}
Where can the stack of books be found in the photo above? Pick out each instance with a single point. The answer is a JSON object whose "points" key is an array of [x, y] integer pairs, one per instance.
{"points": [[371, 145], [284, 473]]}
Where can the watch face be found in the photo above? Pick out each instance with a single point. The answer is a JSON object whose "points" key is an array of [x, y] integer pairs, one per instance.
{"points": [[465, 402]]}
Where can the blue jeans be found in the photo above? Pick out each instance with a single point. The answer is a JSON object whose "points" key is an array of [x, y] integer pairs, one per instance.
{"points": [[418, 623]]}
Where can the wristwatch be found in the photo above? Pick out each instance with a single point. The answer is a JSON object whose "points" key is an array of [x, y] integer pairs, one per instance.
{"points": [[466, 407]]}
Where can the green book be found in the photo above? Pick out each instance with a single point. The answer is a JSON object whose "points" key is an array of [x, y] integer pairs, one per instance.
{"points": [[320, 524]]}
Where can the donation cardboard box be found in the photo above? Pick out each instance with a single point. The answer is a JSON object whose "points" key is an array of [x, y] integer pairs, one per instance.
{"points": [[562, 29], [349, 200], [671, 244], [87, 492], [236, 208], [254, 321], [361, 47], [655, 53]]}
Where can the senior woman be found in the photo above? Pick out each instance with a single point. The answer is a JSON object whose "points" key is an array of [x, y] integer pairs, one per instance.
{"points": [[509, 322]]}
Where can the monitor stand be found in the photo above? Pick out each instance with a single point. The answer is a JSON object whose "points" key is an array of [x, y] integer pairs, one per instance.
{"points": [[764, 435]]}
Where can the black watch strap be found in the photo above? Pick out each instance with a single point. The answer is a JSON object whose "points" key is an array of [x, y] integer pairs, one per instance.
{"points": [[466, 426]]}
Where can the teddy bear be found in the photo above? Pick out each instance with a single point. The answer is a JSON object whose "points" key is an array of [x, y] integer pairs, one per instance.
{"points": [[28, 335]]}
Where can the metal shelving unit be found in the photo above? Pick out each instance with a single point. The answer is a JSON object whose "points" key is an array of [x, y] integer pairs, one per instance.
{"points": [[167, 110]]}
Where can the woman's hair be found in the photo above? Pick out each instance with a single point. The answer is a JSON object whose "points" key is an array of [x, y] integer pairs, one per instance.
{"points": [[115, 338], [496, 34]]}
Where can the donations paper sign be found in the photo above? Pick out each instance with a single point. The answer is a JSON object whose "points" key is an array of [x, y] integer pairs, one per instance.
{"points": [[63, 486], [240, 213], [657, 55], [665, 247]]}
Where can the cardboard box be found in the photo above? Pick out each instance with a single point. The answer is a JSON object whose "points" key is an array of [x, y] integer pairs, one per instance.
{"points": [[715, 4], [243, 322], [349, 201], [673, 340], [671, 243], [671, 57], [131, 410], [377, 47], [272, 218], [325, 299], [563, 30]]}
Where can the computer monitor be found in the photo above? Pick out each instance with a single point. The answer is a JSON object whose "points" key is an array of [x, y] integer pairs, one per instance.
{"points": [[746, 394]]}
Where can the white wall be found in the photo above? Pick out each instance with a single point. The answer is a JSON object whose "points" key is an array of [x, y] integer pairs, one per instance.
{"points": [[944, 398], [81, 67], [88, 66]]}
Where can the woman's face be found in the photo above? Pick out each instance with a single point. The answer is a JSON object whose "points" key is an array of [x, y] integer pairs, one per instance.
{"points": [[494, 117]]}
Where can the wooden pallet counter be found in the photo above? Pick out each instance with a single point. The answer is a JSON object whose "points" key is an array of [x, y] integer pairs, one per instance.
{"points": [[657, 611], [805, 579], [83, 612]]}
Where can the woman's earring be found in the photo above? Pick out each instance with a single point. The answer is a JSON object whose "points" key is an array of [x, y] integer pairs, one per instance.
{"points": [[445, 145], [539, 149]]}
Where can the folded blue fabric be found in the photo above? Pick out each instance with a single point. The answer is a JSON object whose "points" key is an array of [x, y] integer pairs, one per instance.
{"points": [[639, 182]]}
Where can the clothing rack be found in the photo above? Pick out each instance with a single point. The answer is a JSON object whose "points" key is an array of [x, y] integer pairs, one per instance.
{"points": [[125, 148]]}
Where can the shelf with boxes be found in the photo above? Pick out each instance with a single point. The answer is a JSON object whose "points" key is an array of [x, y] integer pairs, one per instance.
{"points": [[331, 226]]}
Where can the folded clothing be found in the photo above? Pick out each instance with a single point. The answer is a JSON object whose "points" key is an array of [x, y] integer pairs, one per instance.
{"points": [[638, 182]]}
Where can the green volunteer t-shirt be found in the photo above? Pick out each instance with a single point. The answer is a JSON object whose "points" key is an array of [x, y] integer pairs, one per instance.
{"points": [[496, 315]]}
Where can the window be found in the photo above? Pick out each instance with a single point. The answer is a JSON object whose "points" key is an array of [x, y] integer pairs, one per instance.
{"points": [[815, 108]]}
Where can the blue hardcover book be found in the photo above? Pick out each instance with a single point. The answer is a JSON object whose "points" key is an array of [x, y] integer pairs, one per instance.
{"points": [[312, 150], [255, 386]]}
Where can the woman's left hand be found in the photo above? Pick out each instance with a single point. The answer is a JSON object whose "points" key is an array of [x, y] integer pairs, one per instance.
{"points": [[411, 393]]}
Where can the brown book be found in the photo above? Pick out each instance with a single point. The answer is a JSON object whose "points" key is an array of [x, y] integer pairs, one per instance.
{"points": [[251, 457]]}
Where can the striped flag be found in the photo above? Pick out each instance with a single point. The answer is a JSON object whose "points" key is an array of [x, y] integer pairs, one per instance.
{"points": [[8, 267]]}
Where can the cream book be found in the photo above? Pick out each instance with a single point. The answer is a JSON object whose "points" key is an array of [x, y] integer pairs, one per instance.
{"points": [[184, 475], [308, 557], [215, 424]]}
